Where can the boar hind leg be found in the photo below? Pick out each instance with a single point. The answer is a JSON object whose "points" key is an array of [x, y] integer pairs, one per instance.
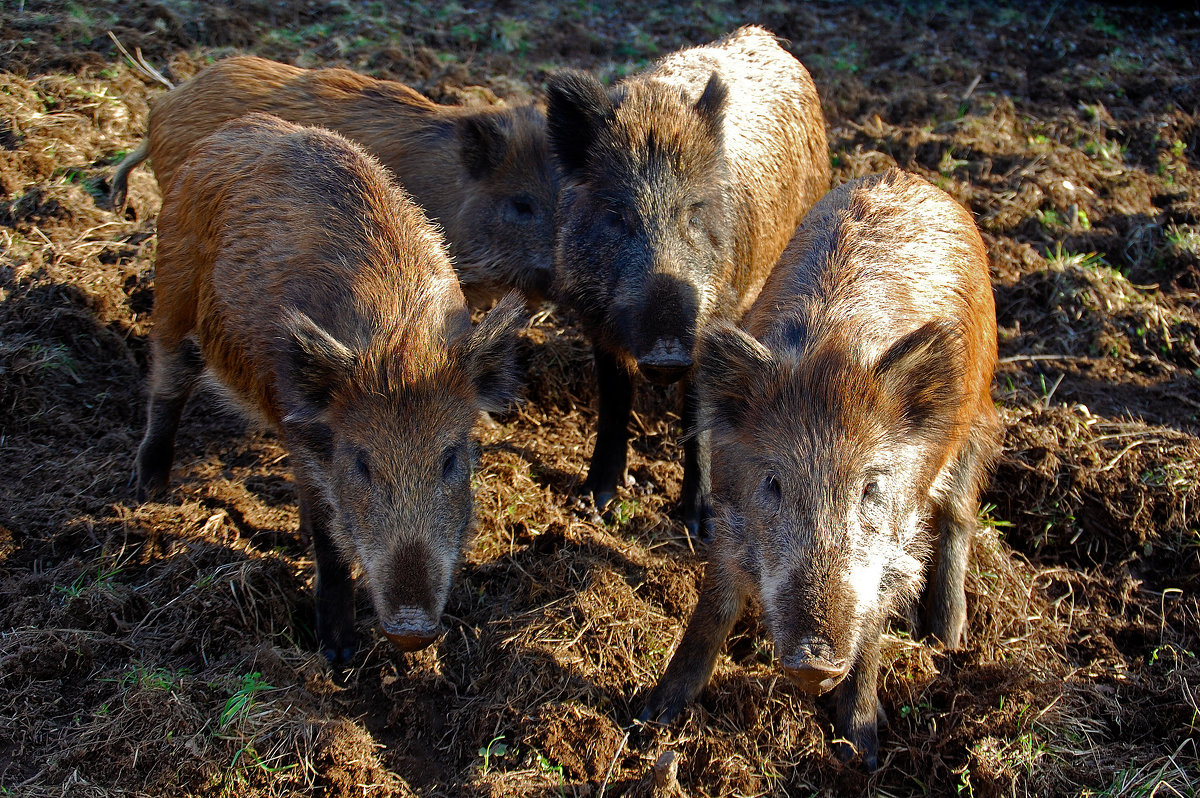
{"points": [[615, 388], [692, 664], [858, 709], [335, 583], [955, 512], [697, 482], [173, 374]]}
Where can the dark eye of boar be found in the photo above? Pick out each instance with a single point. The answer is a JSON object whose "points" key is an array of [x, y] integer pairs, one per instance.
{"points": [[612, 221], [362, 466], [772, 492], [695, 220], [450, 463], [521, 208], [871, 489]]}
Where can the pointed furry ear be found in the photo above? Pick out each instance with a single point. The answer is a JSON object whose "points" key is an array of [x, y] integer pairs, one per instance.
{"points": [[489, 353], [484, 141], [316, 363], [576, 108], [731, 363], [711, 106], [923, 373]]}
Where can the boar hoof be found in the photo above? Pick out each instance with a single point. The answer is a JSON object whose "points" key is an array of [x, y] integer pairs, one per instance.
{"points": [[339, 657], [662, 707], [867, 748], [151, 488]]}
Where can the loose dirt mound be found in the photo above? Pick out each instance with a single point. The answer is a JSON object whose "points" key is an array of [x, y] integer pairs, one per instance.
{"points": [[168, 648]]}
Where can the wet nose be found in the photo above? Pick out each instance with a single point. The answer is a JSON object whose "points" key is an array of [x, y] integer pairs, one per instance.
{"points": [[410, 629], [813, 667], [666, 362]]}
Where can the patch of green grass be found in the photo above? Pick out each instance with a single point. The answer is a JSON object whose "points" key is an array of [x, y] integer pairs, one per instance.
{"points": [[622, 511], [142, 676], [551, 768], [949, 164], [1050, 218], [242, 699], [103, 581], [1102, 24], [495, 749]]}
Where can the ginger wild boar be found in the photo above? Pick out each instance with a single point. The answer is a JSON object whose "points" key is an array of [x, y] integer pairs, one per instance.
{"points": [[483, 174], [853, 428], [305, 281], [681, 186]]}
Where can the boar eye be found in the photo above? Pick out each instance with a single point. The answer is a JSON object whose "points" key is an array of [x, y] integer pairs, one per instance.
{"points": [[522, 207], [612, 221], [450, 462], [362, 466], [695, 218], [772, 491], [870, 490]]}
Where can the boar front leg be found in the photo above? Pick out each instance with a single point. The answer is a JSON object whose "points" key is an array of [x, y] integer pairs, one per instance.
{"points": [[695, 499], [615, 388], [954, 518], [174, 372], [858, 709], [692, 664], [335, 582]]}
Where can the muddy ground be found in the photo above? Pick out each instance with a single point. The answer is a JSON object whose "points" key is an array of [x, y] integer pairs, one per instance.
{"points": [[168, 648]]}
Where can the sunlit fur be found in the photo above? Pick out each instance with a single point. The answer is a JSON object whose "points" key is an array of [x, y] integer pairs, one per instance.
{"points": [[320, 296], [483, 174], [651, 153], [852, 427]]}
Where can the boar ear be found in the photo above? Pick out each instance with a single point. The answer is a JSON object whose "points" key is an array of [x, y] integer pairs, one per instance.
{"points": [[923, 373], [484, 141], [489, 353], [316, 362], [711, 106], [576, 107], [731, 362]]}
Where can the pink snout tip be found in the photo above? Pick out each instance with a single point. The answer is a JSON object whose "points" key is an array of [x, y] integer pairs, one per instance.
{"points": [[409, 642], [816, 676], [410, 629]]}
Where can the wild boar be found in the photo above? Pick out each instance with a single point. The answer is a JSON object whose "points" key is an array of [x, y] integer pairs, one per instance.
{"points": [[681, 186], [303, 279], [852, 423], [483, 174]]}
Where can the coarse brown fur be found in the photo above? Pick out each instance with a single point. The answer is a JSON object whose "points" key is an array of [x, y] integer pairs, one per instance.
{"points": [[483, 174], [319, 297], [850, 417], [682, 185]]}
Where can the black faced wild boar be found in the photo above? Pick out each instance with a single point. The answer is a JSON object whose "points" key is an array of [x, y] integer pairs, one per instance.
{"points": [[681, 186], [852, 427], [483, 174], [315, 292]]}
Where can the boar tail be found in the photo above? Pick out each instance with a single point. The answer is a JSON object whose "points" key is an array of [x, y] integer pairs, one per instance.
{"points": [[120, 180]]}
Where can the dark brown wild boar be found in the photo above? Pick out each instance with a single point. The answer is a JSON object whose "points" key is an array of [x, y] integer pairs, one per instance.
{"points": [[483, 174], [852, 422], [317, 294], [681, 187]]}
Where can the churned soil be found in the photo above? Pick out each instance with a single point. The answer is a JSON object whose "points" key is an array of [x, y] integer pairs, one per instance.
{"points": [[167, 648]]}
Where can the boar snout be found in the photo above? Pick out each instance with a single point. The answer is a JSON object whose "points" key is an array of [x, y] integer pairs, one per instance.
{"points": [[410, 629], [813, 668], [666, 362]]}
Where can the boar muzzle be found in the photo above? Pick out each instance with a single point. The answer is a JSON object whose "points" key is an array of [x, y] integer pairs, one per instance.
{"points": [[812, 667], [667, 362], [410, 629]]}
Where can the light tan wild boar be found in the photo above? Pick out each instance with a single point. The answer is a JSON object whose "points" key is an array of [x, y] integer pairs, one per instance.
{"points": [[853, 426], [483, 174], [681, 186], [301, 276]]}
